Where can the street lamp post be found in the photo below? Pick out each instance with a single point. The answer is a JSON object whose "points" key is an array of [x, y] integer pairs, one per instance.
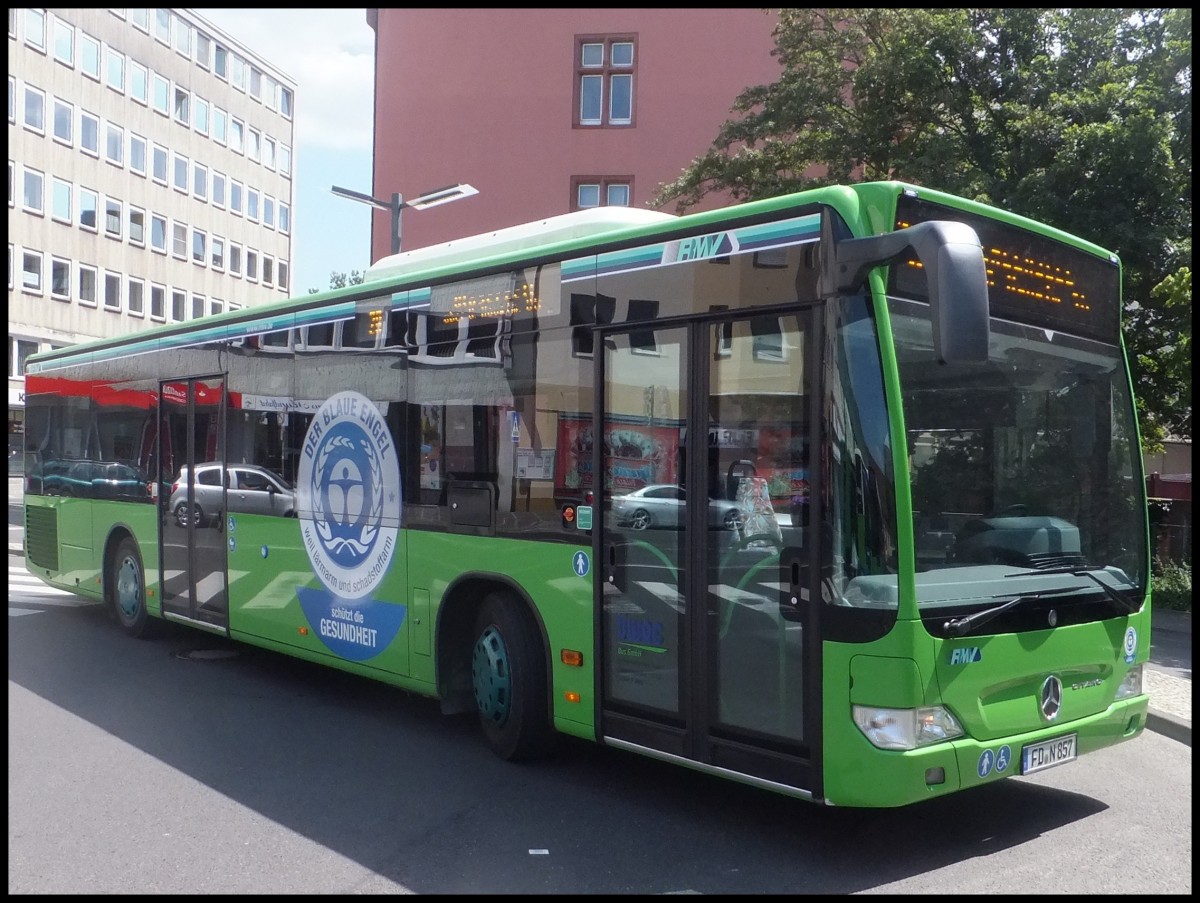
{"points": [[397, 203]]}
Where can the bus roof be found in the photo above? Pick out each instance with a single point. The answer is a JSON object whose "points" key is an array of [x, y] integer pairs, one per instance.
{"points": [[580, 224]]}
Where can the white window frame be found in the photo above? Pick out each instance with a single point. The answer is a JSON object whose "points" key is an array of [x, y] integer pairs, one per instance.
{"points": [[130, 283], [33, 281], [109, 292], [157, 288], [86, 42], [64, 29], [90, 151], [166, 158], [133, 213], [144, 97], [179, 240], [40, 95], [55, 263], [55, 185], [33, 178], [81, 270], [69, 138], [111, 129], [82, 196], [35, 29], [114, 56], [135, 140], [166, 233], [111, 205]]}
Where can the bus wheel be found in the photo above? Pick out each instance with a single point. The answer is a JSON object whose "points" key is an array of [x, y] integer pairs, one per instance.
{"points": [[127, 588], [509, 679]]}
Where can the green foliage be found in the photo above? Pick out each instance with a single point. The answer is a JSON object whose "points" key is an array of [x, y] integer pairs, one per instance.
{"points": [[341, 280], [1171, 585], [1080, 118]]}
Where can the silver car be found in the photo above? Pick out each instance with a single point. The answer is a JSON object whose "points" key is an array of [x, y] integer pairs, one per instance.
{"points": [[662, 506], [245, 488]]}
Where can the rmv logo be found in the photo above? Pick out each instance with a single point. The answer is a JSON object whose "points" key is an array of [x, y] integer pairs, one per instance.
{"points": [[966, 655], [635, 630], [703, 246]]}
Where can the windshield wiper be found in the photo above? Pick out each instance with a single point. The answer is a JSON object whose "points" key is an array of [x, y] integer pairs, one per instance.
{"points": [[1124, 605], [964, 625]]}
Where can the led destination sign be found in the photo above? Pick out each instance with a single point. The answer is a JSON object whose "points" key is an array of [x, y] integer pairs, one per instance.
{"points": [[1031, 279]]}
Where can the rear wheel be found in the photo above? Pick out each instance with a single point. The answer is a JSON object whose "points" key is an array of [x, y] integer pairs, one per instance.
{"points": [[508, 675], [127, 588]]}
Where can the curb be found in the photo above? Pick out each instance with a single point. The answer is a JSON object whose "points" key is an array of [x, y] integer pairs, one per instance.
{"points": [[1169, 726]]}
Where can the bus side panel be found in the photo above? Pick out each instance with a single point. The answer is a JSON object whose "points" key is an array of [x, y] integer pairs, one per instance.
{"points": [[268, 565], [548, 575], [59, 543]]}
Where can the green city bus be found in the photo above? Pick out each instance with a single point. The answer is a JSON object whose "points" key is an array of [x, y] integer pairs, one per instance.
{"points": [[837, 494]]}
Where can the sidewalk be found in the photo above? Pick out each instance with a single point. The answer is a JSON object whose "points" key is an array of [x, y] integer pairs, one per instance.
{"points": [[1170, 694]]}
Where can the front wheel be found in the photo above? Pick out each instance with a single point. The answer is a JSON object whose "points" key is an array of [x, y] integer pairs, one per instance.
{"points": [[640, 519], [127, 588], [508, 675]]}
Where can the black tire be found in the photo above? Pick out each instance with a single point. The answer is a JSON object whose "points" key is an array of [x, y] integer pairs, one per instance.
{"points": [[640, 519], [508, 674], [126, 584]]}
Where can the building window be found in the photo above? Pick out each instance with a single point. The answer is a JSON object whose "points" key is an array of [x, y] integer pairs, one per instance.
{"points": [[35, 28], [137, 226], [181, 106], [218, 189], [220, 125], [285, 160], [200, 117], [285, 221], [89, 55], [139, 82], [116, 70], [601, 191], [199, 247], [178, 305], [197, 306], [203, 49], [235, 197], [218, 253], [64, 43], [33, 198], [158, 302], [158, 233], [112, 291], [282, 273], [137, 154], [89, 133], [35, 110], [64, 120], [200, 181], [61, 201], [236, 132], [112, 218], [221, 61], [162, 25], [252, 204], [60, 279], [183, 37], [268, 270], [159, 163], [87, 285], [268, 216], [181, 173], [235, 259], [140, 19], [89, 204], [135, 301], [162, 95], [252, 265], [31, 271], [285, 102], [179, 240], [604, 80], [114, 145]]}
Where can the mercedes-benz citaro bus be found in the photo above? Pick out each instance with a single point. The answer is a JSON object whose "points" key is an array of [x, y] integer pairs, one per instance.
{"points": [[912, 414]]}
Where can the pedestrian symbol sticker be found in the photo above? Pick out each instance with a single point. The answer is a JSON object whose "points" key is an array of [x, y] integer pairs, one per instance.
{"points": [[985, 763], [581, 564]]}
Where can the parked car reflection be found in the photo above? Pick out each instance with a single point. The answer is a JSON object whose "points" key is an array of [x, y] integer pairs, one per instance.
{"points": [[245, 488], [662, 506], [95, 480]]}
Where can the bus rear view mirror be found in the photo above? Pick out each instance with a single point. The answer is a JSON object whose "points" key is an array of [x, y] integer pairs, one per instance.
{"points": [[952, 257]]}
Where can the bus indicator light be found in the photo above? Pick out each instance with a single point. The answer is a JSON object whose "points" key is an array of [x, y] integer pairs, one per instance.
{"points": [[572, 657], [572, 696], [303, 631]]}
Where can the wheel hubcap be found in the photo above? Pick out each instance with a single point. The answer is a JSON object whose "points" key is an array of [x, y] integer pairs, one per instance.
{"points": [[491, 677], [129, 592]]}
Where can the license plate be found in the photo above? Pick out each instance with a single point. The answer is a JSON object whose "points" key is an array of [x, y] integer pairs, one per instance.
{"points": [[1040, 756]]}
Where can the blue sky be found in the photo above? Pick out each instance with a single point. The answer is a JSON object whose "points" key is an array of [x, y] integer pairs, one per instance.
{"points": [[330, 53]]}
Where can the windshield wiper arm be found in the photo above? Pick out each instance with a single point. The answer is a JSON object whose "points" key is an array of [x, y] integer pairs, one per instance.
{"points": [[1124, 605], [964, 625]]}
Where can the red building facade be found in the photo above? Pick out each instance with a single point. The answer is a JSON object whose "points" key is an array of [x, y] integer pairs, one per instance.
{"points": [[548, 111]]}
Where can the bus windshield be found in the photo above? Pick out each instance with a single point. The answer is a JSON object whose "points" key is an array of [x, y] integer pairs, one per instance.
{"points": [[1024, 470]]}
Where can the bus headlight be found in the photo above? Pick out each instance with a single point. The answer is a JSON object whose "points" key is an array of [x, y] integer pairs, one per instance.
{"points": [[1132, 684], [906, 728]]}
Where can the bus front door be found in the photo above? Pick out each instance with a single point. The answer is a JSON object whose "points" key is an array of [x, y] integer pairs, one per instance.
{"points": [[191, 500], [709, 643]]}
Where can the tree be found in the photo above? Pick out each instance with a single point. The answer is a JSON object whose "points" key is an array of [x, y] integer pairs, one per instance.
{"points": [[341, 280], [1080, 118]]}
